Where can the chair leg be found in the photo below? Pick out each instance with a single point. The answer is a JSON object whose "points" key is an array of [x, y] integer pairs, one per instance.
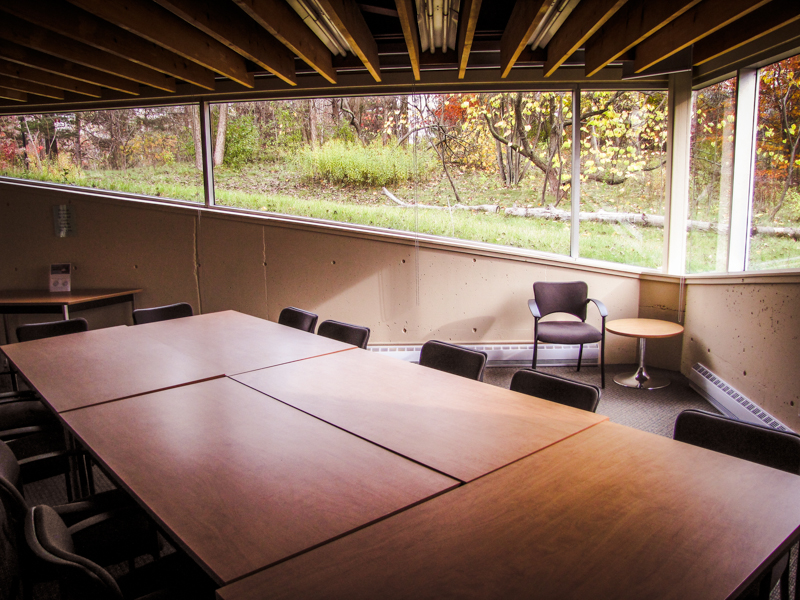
{"points": [[603, 363], [580, 356], [535, 349]]}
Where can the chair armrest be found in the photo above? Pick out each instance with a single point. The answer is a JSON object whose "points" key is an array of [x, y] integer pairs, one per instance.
{"points": [[9, 397], [534, 309], [600, 306]]}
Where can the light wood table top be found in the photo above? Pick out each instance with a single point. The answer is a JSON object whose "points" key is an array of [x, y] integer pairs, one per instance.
{"points": [[44, 298], [81, 369], [644, 328], [242, 481], [609, 513], [234, 342], [460, 427]]}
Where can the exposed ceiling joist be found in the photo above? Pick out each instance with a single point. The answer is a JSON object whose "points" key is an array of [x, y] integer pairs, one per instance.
{"points": [[470, 9], [695, 24], [79, 25], [347, 18], [57, 81], [32, 36], [405, 11], [156, 24], [762, 22], [31, 88], [281, 21], [525, 17], [13, 95], [634, 22], [581, 24], [39, 60], [229, 25]]}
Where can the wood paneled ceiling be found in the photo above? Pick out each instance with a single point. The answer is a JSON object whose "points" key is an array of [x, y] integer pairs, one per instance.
{"points": [[59, 53]]}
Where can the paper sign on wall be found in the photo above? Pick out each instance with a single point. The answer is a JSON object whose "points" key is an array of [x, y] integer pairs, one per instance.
{"points": [[60, 275]]}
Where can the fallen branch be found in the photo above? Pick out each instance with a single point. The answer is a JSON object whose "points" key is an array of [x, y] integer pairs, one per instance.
{"points": [[487, 208]]}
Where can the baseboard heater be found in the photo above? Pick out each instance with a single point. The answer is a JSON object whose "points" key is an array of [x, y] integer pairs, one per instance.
{"points": [[507, 355], [730, 401]]}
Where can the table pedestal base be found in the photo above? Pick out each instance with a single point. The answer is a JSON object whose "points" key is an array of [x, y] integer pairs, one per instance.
{"points": [[641, 379]]}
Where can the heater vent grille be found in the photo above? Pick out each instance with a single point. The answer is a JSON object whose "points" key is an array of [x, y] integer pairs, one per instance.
{"points": [[731, 401], [509, 354]]}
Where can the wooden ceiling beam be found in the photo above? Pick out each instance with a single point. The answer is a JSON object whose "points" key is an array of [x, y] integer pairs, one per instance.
{"points": [[470, 9], [760, 23], [57, 81], [348, 20], [632, 24], [79, 25], [13, 95], [580, 25], [32, 36], [39, 60], [405, 10], [525, 17], [159, 26], [230, 26], [699, 22], [20, 85], [277, 17]]}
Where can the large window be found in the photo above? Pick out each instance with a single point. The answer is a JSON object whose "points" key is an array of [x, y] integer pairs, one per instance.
{"points": [[710, 187], [775, 210], [144, 150], [623, 158]]}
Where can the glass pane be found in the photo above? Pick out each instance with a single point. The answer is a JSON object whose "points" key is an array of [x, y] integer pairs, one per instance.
{"points": [[623, 176], [455, 165], [147, 151], [775, 207], [710, 188]]}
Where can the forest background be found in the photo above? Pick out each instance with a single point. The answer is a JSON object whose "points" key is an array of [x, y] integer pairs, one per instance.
{"points": [[485, 167]]}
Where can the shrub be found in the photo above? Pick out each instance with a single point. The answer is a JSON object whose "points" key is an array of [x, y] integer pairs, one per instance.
{"points": [[242, 144], [374, 165]]}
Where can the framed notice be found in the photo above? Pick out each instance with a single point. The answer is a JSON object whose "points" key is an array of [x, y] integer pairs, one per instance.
{"points": [[60, 275]]}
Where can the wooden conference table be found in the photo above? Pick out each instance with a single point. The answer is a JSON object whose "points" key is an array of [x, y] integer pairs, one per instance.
{"points": [[325, 470]]}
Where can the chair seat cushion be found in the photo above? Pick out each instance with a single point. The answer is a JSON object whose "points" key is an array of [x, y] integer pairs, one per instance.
{"points": [[568, 332]]}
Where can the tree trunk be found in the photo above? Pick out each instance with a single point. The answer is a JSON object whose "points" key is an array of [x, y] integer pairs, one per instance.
{"points": [[194, 112], [222, 129], [313, 134], [78, 154]]}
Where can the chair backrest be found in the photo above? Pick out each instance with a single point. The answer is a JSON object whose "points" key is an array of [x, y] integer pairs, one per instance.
{"points": [[561, 296], [453, 359], [52, 546], [162, 313], [776, 449], [39, 331], [344, 332], [298, 318], [9, 556], [556, 389]]}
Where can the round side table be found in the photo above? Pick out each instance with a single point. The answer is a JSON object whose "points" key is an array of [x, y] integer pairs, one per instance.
{"points": [[643, 329]]}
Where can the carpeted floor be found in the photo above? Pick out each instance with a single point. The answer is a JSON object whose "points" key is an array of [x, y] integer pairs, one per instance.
{"points": [[649, 410]]}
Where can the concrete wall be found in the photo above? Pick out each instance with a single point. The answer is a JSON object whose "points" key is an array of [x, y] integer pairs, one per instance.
{"points": [[748, 334], [405, 295]]}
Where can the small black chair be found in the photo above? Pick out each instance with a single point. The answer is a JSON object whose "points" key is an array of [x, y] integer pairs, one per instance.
{"points": [[769, 447], [39, 331], [344, 332], [453, 359], [298, 318], [571, 297], [162, 313], [51, 545], [556, 389]]}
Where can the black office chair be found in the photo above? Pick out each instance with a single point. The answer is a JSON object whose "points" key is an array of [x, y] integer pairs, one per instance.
{"points": [[162, 313], [569, 297], [453, 359], [40, 331], [556, 389], [769, 447], [344, 332], [52, 547], [298, 318]]}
